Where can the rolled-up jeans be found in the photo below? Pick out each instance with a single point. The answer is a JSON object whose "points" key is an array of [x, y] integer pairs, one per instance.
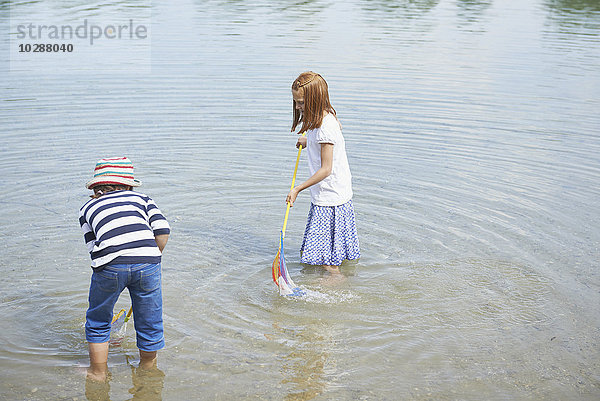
{"points": [[144, 284]]}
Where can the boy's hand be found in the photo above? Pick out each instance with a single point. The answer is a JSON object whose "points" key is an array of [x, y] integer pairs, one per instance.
{"points": [[301, 141], [161, 241]]}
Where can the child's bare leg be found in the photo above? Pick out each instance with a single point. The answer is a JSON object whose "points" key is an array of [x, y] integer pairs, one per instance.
{"points": [[332, 269], [98, 369], [148, 359], [335, 275]]}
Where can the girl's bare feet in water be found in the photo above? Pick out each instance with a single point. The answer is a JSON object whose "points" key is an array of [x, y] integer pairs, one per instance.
{"points": [[335, 276]]}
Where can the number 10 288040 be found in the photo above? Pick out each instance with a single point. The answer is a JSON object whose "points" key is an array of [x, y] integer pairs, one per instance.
{"points": [[45, 48]]}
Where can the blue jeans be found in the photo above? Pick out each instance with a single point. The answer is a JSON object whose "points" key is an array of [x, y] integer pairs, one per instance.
{"points": [[144, 284]]}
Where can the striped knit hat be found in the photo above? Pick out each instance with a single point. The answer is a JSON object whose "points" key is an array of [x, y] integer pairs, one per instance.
{"points": [[113, 171]]}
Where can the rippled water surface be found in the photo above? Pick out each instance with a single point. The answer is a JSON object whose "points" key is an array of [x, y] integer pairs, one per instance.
{"points": [[472, 131]]}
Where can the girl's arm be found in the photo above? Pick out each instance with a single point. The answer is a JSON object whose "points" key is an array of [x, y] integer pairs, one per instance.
{"points": [[323, 172], [302, 141]]}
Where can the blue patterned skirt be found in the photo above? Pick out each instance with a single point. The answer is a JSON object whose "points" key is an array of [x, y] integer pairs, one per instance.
{"points": [[330, 235]]}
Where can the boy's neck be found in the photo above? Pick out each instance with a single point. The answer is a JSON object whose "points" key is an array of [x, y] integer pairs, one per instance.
{"points": [[100, 194]]}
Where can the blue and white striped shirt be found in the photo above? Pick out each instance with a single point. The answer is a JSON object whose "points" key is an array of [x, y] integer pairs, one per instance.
{"points": [[120, 226]]}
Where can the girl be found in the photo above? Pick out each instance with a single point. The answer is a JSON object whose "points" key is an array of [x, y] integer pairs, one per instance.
{"points": [[330, 235]]}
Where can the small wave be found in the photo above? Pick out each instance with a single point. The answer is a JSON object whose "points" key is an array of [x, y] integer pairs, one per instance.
{"points": [[331, 297]]}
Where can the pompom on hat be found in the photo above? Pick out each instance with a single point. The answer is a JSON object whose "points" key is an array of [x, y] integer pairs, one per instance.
{"points": [[113, 171]]}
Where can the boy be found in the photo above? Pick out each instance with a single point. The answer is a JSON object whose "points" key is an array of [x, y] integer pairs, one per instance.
{"points": [[125, 233]]}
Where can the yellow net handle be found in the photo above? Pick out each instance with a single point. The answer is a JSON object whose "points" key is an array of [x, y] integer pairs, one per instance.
{"points": [[117, 316], [129, 314], [287, 210]]}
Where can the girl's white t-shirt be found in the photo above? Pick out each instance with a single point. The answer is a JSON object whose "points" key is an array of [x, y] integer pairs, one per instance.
{"points": [[336, 189]]}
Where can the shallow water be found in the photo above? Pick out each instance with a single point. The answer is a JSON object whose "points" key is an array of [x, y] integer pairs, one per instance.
{"points": [[472, 134]]}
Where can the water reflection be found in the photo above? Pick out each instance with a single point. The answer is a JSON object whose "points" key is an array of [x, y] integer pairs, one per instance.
{"points": [[97, 391], [389, 18], [406, 8], [245, 11], [300, 8], [147, 385], [4, 5], [574, 6], [472, 10], [305, 371], [309, 364], [575, 16], [80, 8]]}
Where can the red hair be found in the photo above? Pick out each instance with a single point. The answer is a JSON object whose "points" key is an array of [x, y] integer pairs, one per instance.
{"points": [[313, 88]]}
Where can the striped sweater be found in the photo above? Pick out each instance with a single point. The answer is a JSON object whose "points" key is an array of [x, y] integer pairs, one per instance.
{"points": [[119, 227]]}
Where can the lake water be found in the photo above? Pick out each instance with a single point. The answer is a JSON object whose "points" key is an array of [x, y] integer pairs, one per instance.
{"points": [[472, 131]]}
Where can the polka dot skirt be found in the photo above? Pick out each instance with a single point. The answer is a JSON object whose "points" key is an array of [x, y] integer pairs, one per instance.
{"points": [[330, 235]]}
